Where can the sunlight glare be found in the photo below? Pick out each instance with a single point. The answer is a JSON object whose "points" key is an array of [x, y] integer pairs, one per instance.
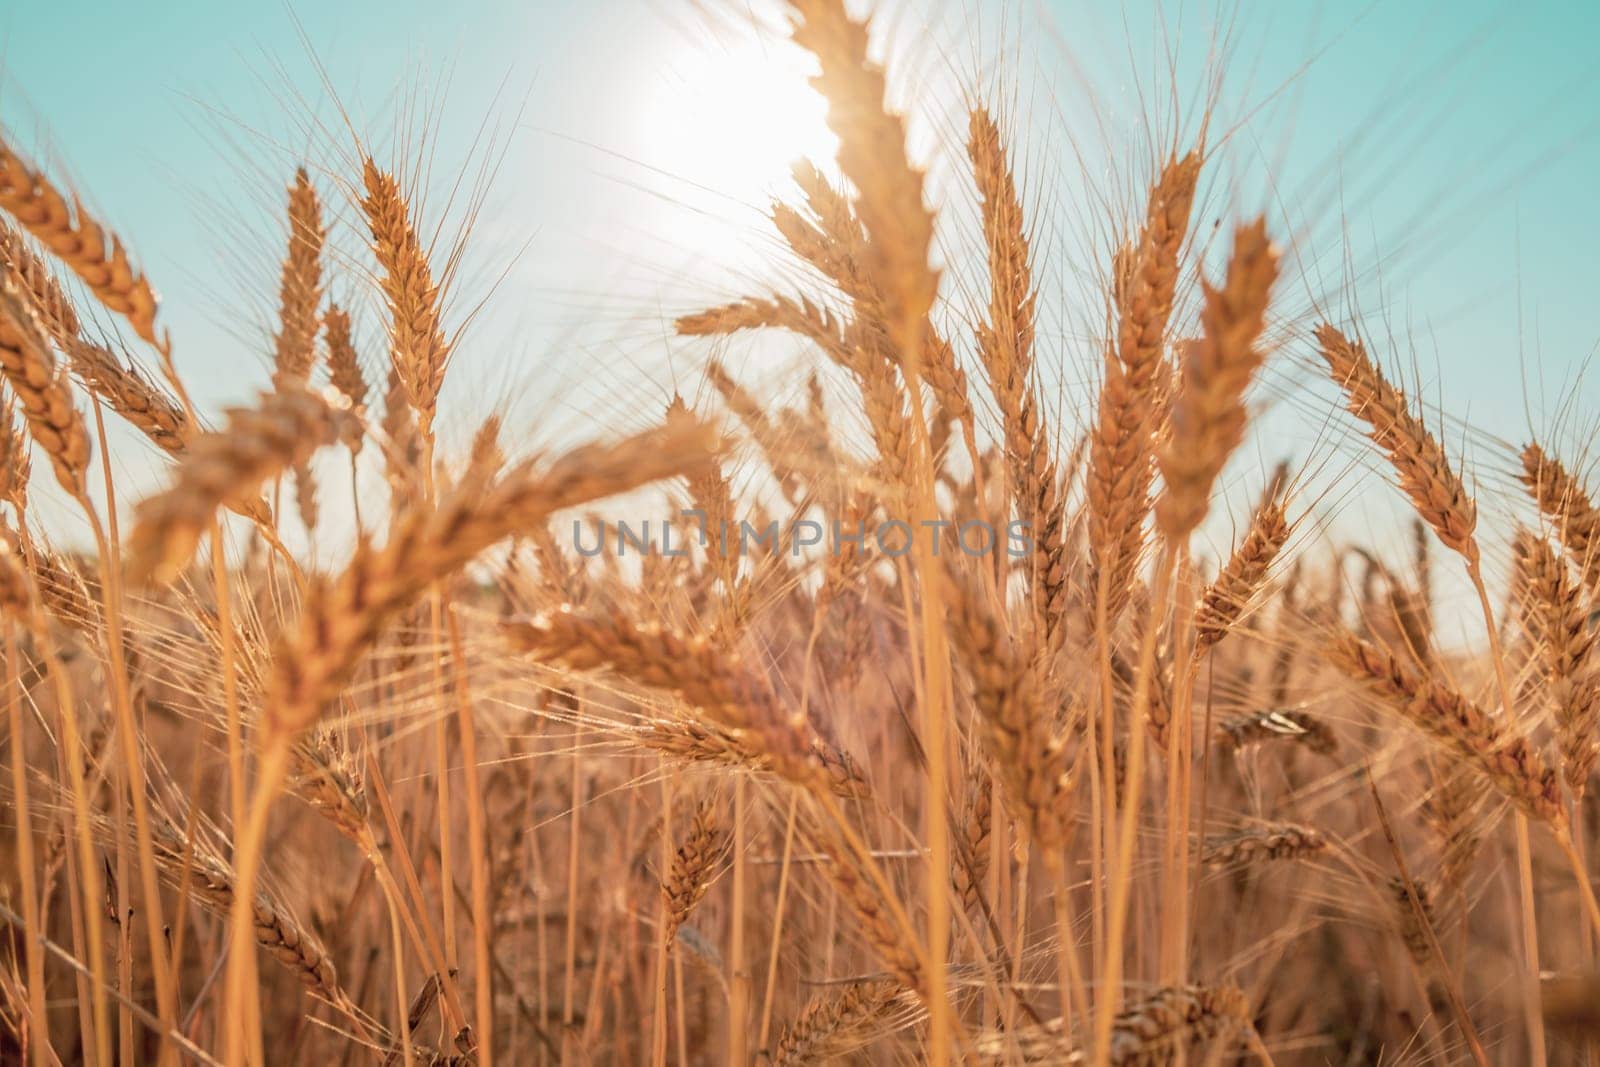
{"points": [[733, 118]]}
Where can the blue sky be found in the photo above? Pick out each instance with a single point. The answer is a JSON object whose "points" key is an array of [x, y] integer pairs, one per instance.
{"points": [[1441, 154]]}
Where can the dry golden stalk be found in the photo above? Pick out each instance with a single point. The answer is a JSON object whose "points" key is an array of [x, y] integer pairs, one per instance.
{"points": [[55, 311], [1425, 473], [1120, 457], [300, 290], [1562, 500], [1499, 753], [1031, 761], [42, 388], [1005, 346], [1273, 842], [872, 156], [1225, 599], [417, 342], [1556, 615], [130, 394], [344, 371], [1208, 414], [832, 1025], [74, 237], [343, 615], [227, 468], [1279, 725], [693, 867], [710, 678]]}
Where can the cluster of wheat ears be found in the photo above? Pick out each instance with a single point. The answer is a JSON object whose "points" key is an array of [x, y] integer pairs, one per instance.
{"points": [[475, 796]]}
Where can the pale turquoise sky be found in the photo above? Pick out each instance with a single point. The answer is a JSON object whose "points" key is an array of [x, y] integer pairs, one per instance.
{"points": [[1459, 140]]}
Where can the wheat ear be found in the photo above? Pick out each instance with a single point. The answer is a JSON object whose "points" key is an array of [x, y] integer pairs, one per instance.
{"points": [[831, 1024], [1226, 598], [1562, 500], [1208, 414], [344, 371], [1419, 462], [74, 237], [417, 341], [693, 866], [343, 614], [43, 390], [1557, 617], [1120, 456], [227, 469], [1501, 754]]}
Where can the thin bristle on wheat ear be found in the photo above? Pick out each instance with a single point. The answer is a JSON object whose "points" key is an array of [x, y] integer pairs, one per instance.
{"points": [[1225, 599], [1556, 615], [74, 237], [1503, 755], [43, 390], [693, 867], [344, 371], [417, 342], [300, 288], [1562, 500], [343, 614], [833, 1025], [1208, 415], [1275, 842], [1419, 462], [226, 468], [1120, 457], [702, 674]]}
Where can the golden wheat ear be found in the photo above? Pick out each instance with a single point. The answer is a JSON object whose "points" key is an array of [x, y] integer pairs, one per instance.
{"points": [[43, 390], [91, 252], [227, 469], [417, 341]]}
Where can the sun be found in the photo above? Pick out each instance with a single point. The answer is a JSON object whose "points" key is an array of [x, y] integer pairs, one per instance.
{"points": [[733, 117]]}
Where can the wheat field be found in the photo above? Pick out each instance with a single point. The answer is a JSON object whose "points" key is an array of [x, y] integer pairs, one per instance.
{"points": [[889, 713]]}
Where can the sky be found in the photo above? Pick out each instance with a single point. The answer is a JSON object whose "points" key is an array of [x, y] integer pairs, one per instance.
{"points": [[1430, 163]]}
